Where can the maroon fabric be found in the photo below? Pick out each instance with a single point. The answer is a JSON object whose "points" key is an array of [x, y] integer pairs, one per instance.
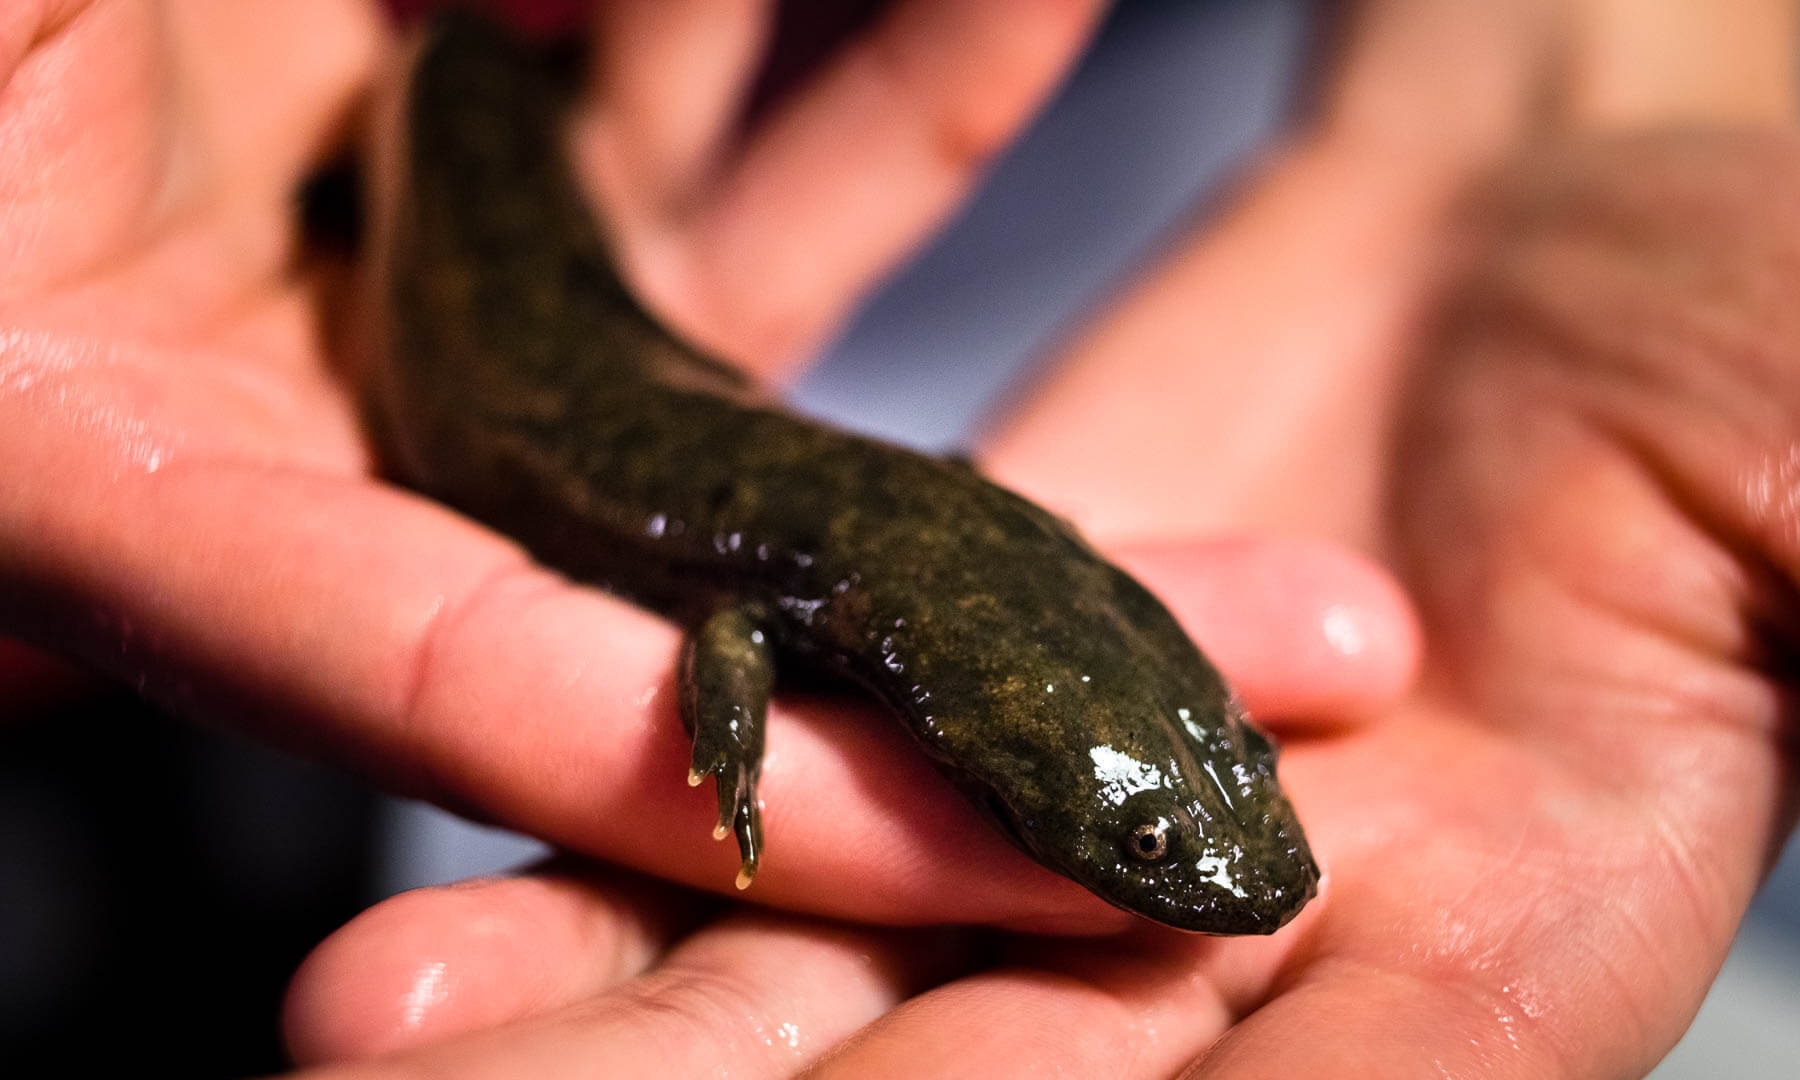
{"points": [[533, 15]]}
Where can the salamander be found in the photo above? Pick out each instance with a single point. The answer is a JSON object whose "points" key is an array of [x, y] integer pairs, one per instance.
{"points": [[520, 382]]}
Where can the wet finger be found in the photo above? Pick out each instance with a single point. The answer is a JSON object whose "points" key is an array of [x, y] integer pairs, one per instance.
{"points": [[761, 996], [1130, 1007], [1335, 628], [435, 963]]}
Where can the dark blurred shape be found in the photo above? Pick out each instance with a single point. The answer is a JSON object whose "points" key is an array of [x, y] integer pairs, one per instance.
{"points": [[806, 33], [331, 211], [158, 884], [534, 16]]}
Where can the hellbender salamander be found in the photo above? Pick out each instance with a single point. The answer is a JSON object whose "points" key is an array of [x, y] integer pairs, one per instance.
{"points": [[522, 384]]}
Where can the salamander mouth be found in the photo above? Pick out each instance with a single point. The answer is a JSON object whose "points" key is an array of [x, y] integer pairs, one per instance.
{"points": [[1001, 816]]}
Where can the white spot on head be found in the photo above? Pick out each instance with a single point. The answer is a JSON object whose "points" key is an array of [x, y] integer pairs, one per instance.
{"points": [[1121, 775], [1212, 868], [1224, 792]]}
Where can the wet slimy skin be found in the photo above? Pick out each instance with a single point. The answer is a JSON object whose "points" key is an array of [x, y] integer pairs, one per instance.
{"points": [[522, 384]]}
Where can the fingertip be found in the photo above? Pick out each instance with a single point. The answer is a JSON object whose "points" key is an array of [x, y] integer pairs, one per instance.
{"points": [[1308, 632], [436, 962]]}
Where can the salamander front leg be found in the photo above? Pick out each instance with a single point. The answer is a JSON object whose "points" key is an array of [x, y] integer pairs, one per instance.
{"points": [[727, 674]]}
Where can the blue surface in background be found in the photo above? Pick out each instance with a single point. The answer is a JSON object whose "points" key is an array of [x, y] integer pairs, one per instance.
{"points": [[1171, 99], [1777, 906]]}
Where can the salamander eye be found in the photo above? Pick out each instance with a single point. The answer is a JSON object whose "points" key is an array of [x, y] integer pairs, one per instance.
{"points": [[1150, 841]]}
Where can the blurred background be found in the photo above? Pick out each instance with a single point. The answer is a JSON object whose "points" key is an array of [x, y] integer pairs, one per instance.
{"points": [[171, 884]]}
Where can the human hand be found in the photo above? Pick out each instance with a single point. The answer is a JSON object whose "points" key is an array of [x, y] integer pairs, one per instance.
{"points": [[190, 506], [1594, 494], [1588, 477]]}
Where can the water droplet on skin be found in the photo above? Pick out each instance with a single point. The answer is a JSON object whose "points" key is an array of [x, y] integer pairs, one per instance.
{"points": [[430, 987], [1344, 632]]}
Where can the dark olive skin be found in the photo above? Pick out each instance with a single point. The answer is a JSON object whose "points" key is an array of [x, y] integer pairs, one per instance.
{"points": [[522, 384]]}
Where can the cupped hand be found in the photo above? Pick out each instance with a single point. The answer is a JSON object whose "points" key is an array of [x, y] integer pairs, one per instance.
{"points": [[1588, 474], [189, 504]]}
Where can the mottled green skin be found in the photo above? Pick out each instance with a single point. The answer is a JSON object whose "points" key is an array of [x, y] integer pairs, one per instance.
{"points": [[525, 386]]}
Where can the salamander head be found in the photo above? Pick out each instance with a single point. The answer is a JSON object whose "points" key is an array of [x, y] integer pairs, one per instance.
{"points": [[1181, 822]]}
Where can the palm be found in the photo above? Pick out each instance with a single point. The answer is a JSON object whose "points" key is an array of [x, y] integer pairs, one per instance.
{"points": [[159, 341], [1535, 864]]}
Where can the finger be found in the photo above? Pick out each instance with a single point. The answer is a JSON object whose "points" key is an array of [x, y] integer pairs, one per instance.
{"points": [[669, 83], [1342, 638], [1224, 390], [762, 996], [1132, 1007], [1246, 382], [852, 172], [1390, 1024], [1635, 66], [435, 963]]}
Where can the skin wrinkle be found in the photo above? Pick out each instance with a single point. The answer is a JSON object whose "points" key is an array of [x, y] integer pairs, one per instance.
{"points": [[1642, 455], [715, 985], [32, 124], [1686, 876], [26, 25], [271, 415], [1726, 681], [434, 770], [1732, 527], [1486, 999], [1580, 681]]}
